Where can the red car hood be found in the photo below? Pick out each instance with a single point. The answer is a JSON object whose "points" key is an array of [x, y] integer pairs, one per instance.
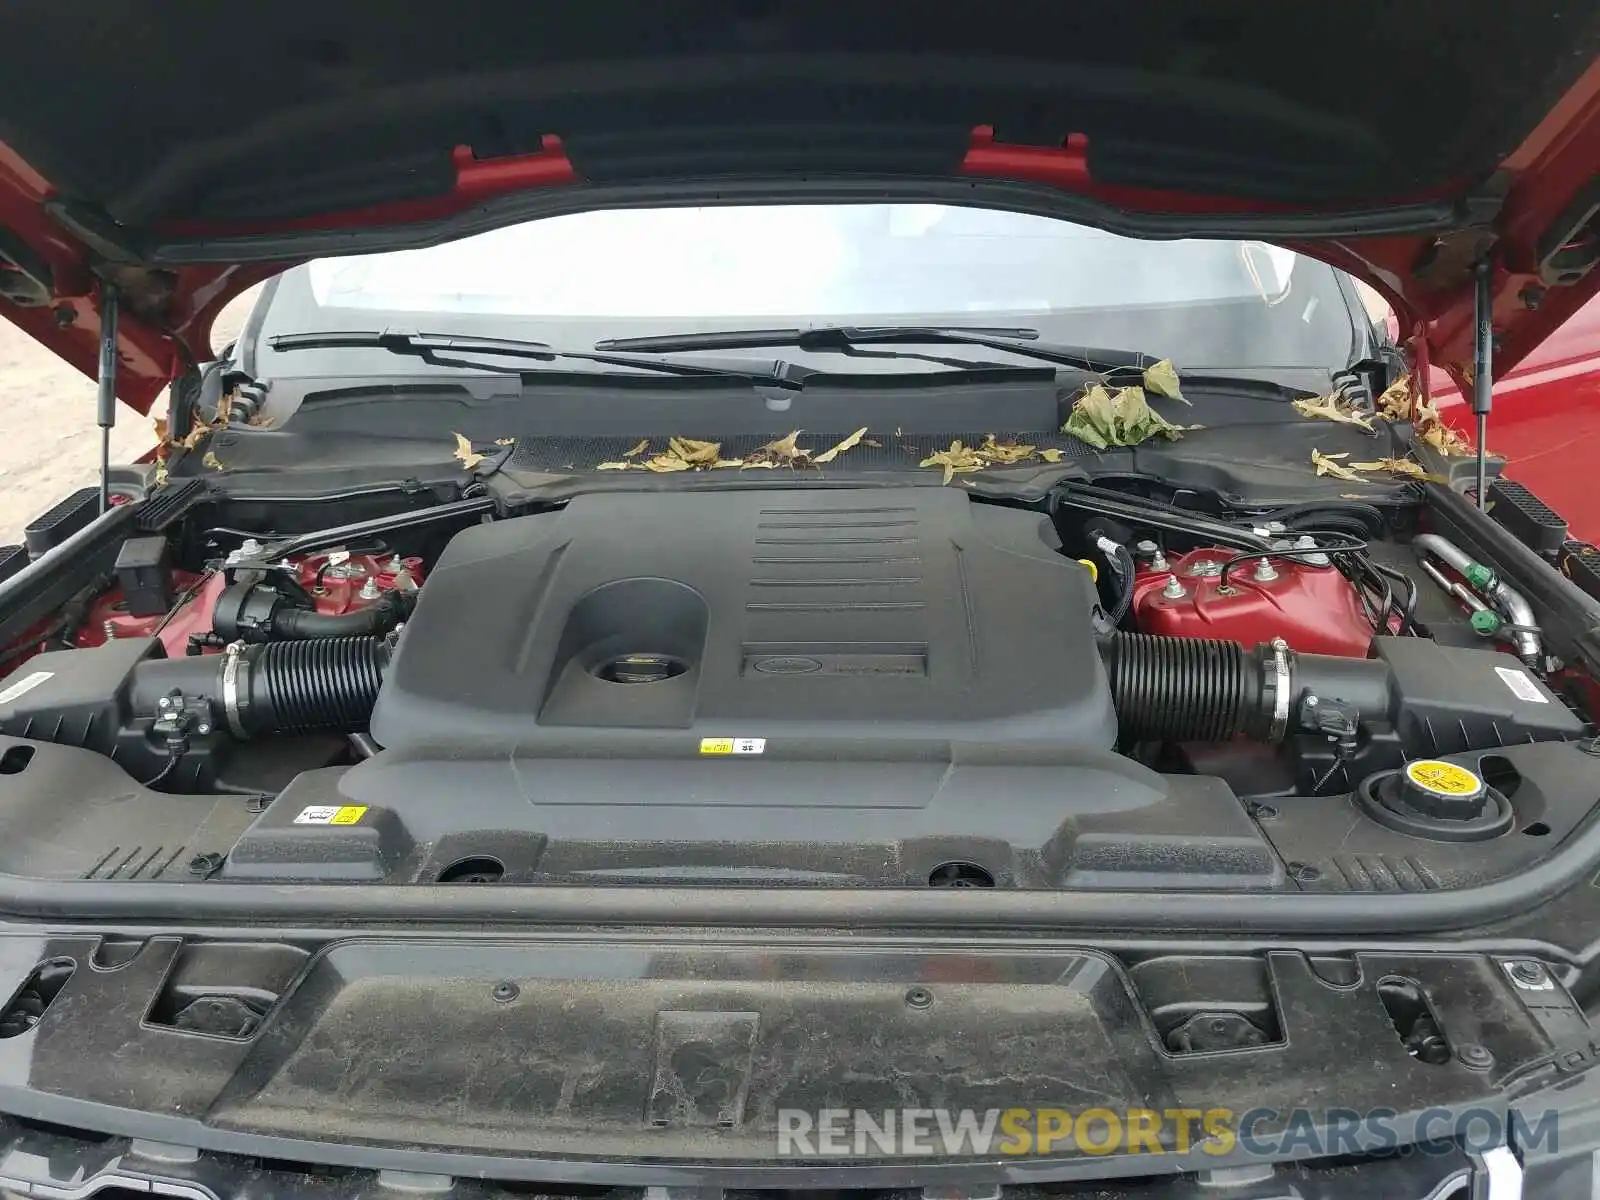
{"points": [[184, 151]]}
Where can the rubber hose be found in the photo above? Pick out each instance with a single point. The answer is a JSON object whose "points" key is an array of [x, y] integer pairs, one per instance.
{"points": [[317, 684], [1307, 514], [257, 611], [297, 623], [1181, 689], [1123, 569]]}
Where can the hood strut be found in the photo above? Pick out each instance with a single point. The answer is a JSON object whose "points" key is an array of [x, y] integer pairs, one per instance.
{"points": [[106, 412], [1483, 366]]}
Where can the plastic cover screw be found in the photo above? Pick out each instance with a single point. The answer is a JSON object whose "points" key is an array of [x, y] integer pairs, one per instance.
{"points": [[1527, 972]]}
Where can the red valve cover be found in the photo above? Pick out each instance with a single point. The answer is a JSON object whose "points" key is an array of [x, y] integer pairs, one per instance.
{"points": [[1315, 609]]}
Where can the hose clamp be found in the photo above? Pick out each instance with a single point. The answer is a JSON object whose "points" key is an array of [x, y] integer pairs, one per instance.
{"points": [[233, 664], [1280, 690]]}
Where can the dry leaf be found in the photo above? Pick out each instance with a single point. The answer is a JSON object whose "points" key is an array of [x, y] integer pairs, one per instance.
{"points": [[161, 428], [755, 462], [260, 422], [465, 454], [1328, 464], [1397, 403], [1335, 406], [873, 442], [1004, 454], [784, 447], [1443, 438], [1126, 419], [666, 463], [195, 436], [1398, 466], [212, 461], [784, 452], [827, 456], [693, 452], [1162, 379], [224, 410], [161, 473], [959, 458], [681, 454], [505, 441]]}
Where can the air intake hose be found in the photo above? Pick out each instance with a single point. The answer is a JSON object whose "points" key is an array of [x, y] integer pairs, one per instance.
{"points": [[323, 684], [1209, 690]]}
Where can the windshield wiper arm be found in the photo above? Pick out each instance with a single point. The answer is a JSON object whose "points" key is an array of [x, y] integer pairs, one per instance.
{"points": [[843, 338], [444, 349]]}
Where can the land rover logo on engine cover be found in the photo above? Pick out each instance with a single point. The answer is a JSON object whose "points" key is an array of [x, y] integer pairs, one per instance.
{"points": [[786, 664]]}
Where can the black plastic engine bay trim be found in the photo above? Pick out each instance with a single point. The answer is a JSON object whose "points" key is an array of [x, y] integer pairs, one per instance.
{"points": [[1199, 913], [36, 591], [118, 995]]}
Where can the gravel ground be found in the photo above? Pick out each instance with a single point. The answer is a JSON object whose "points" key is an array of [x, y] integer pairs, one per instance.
{"points": [[51, 445]]}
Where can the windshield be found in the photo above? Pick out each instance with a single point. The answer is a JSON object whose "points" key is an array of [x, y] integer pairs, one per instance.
{"points": [[572, 280]]}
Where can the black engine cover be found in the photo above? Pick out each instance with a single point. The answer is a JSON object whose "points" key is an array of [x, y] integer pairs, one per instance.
{"points": [[775, 622]]}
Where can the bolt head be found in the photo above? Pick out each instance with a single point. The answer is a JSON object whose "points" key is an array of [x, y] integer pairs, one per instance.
{"points": [[1524, 971]]}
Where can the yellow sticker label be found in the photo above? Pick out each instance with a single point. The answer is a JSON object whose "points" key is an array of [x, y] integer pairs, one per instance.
{"points": [[739, 745], [1445, 779], [349, 814]]}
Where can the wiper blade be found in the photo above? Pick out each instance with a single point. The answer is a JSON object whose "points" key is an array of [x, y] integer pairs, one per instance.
{"points": [[844, 339], [447, 349]]}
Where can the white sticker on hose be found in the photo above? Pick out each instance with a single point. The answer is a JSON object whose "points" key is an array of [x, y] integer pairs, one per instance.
{"points": [[1522, 684], [25, 685]]}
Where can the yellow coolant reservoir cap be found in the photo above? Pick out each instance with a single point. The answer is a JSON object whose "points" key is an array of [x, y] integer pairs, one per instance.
{"points": [[1435, 799], [1443, 780], [1444, 789]]}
